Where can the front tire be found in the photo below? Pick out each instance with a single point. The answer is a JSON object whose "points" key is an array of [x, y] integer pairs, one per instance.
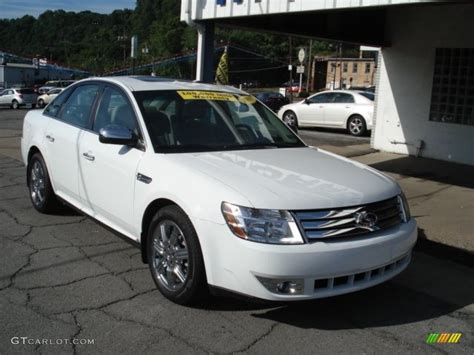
{"points": [[289, 117], [175, 257], [42, 194], [41, 103], [356, 126]]}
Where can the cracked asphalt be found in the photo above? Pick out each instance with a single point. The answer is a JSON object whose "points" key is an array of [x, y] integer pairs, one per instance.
{"points": [[65, 277]]}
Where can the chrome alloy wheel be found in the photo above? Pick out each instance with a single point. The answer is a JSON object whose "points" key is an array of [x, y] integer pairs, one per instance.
{"points": [[356, 126], [290, 119], [170, 256], [37, 183]]}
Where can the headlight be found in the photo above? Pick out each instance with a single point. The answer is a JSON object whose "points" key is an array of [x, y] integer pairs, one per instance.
{"points": [[404, 208], [263, 226]]}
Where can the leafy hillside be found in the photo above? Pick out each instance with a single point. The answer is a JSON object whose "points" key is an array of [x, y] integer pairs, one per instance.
{"points": [[100, 43]]}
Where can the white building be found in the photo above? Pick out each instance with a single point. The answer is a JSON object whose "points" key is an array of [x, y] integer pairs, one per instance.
{"points": [[425, 94]]}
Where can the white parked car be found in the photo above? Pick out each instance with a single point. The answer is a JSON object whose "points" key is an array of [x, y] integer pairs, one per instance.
{"points": [[215, 190], [333, 109], [45, 99], [16, 98]]}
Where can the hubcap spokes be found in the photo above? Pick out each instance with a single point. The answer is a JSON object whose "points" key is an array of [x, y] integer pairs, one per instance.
{"points": [[37, 183], [170, 255], [290, 120], [356, 126]]}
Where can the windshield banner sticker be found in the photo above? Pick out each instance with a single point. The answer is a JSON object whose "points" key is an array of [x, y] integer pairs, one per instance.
{"points": [[206, 95]]}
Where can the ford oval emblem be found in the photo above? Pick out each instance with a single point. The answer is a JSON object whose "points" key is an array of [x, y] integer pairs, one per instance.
{"points": [[366, 220]]}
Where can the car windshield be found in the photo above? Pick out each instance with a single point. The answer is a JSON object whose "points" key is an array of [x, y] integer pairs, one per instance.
{"points": [[193, 121]]}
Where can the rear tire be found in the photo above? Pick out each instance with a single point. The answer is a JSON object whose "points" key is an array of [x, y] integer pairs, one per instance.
{"points": [[41, 103], [290, 119], [356, 126], [15, 105], [175, 257], [42, 194]]}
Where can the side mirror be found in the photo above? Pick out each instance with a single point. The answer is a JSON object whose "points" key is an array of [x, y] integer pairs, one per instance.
{"points": [[306, 101], [114, 134]]}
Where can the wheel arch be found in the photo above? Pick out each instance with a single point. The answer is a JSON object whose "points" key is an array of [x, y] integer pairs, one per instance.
{"points": [[33, 150], [152, 208]]}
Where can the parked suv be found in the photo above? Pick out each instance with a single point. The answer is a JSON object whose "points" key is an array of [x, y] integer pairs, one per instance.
{"points": [[215, 190], [15, 98]]}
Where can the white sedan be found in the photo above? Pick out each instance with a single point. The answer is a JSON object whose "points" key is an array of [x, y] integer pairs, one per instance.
{"points": [[215, 190], [45, 99], [333, 109]]}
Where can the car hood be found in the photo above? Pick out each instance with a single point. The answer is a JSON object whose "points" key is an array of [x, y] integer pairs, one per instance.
{"points": [[293, 178]]}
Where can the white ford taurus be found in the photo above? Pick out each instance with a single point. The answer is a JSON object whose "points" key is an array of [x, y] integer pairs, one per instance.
{"points": [[215, 190]]}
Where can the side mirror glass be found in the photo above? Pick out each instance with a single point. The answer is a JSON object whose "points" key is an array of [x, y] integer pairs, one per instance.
{"points": [[114, 134]]}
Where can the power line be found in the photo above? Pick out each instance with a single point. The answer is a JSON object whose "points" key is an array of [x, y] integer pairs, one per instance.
{"points": [[255, 70]]}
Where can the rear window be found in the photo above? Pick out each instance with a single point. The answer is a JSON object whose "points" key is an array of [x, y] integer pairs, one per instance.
{"points": [[368, 95], [26, 91]]}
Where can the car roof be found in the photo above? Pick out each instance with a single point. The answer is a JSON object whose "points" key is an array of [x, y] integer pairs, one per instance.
{"points": [[149, 83]]}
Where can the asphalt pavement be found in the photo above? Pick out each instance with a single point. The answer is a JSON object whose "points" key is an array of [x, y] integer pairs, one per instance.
{"points": [[65, 279]]}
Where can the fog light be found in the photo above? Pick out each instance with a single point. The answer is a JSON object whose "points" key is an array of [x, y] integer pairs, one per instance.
{"points": [[283, 286]]}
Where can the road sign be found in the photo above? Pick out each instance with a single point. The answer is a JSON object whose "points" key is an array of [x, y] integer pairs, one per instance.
{"points": [[301, 55], [300, 69]]}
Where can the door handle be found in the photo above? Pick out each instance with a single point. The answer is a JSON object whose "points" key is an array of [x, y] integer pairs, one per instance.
{"points": [[88, 156], [50, 138]]}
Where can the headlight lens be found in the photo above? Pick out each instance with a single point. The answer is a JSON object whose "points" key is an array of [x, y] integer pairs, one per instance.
{"points": [[263, 226], [404, 208]]}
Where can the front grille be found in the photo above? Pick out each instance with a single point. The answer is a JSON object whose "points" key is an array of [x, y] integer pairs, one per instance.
{"points": [[350, 221]]}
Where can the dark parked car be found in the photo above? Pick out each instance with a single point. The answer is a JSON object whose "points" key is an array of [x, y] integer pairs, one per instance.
{"points": [[274, 100]]}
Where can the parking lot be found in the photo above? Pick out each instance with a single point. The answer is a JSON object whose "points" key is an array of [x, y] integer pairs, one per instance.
{"points": [[65, 277]]}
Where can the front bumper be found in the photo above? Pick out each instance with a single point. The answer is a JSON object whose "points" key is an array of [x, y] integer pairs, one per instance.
{"points": [[326, 268]]}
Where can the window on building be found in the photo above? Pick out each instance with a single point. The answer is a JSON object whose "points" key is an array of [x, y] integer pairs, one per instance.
{"points": [[354, 67], [345, 67], [452, 98], [367, 68]]}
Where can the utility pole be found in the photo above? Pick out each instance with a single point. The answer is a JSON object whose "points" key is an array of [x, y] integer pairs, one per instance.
{"points": [[340, 66], [309, 65], [290, 68]]}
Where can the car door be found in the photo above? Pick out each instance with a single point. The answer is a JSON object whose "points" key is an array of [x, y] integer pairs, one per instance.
{"points": [[107, 171], [311, 112], [70, 114], [339, 109]]}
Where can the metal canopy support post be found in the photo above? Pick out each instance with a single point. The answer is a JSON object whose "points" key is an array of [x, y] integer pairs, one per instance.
{"points": [[205, 52]]}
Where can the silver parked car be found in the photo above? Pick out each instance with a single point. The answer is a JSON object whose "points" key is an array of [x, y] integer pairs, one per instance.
{"points": [[15, 98]]}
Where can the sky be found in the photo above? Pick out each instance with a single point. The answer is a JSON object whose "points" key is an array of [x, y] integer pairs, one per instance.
{"points": [[19, 8]]}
